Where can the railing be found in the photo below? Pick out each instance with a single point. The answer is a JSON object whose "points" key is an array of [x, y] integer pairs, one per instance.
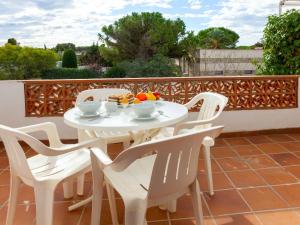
{"points": [[53, 97]]}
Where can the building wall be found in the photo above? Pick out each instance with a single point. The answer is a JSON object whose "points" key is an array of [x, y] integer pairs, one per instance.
{"points": [[222, 62], [12, 113]]}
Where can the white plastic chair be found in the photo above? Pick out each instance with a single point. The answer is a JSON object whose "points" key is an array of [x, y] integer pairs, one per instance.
{"points": [[145, 180], [53, 165], [211, 108]]}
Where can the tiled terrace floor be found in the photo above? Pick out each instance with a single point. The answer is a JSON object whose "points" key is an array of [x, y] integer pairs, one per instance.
{"points": [[257, 182]]}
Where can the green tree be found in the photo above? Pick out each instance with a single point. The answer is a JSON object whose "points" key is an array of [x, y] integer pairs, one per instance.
{"points": [[188, 46], [69, 59], [217, 38], [92, 57], [142, 36], [282, 44], [64, 46], [24, 63], [12, 41]]}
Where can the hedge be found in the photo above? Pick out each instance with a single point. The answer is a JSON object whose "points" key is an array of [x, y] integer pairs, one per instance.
{"points": [[70, 73]]}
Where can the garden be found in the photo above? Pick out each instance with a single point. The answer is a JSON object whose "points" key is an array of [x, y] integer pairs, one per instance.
{"points": [[146, 45]]}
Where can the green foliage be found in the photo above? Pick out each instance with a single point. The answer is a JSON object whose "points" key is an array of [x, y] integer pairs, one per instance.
{"points": [[70, 73], [69, 59], [115, 72], [92, 57], [282, 44], [244, 47], [158, 66], [188, 46], [24, 63], [12, 41], [64, 46], [141, 36], [217, 38]]}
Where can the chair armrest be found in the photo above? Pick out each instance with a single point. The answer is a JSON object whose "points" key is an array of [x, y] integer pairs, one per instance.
{"points": [[192, 124], [100, 157], [47, 127], [48, 151]]}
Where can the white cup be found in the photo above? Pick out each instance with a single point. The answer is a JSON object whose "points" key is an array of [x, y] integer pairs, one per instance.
{"points": [[111, 106]]}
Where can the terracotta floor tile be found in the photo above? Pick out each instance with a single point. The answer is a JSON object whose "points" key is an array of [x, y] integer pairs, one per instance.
{"points": [[215, 168], [219, 142], [270, 148], [260, 161], [279, 218], [296, 136], [3, 163], [280, 137], [159, 223], [3, 153], [156, 213], [245, 178], [219, 179], [222, 152], [105, 213], [275, 176], [237, 141], [242, 219], [295, 170], [262, 198], [247, 150], [291, 146], [207, 221], [290, 193], [185, 208], [25, 215], [286, 159], [62, 216], [230, 164], [4, 177], [4, 193], [226, 202], [26, 195], [260, 139]]}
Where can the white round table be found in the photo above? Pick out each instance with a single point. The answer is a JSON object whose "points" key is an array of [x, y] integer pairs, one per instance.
{"points": [[123, 119]]}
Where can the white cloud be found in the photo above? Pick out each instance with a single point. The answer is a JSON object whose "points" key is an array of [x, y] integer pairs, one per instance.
{"points": [[36, 22], [195, 4], [247, 18]]}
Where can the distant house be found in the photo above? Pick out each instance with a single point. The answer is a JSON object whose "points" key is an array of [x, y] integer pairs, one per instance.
{"points": [[222, 62]]}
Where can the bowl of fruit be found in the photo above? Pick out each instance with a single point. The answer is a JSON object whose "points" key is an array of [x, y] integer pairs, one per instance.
{"points": [[147, 96]]}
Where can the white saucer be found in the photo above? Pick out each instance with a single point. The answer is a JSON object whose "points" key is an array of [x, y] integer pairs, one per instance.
{"points": [[151, 117], [82, 115]]}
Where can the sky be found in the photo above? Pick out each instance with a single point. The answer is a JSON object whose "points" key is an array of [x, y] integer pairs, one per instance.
{"points": [[39, 22]]}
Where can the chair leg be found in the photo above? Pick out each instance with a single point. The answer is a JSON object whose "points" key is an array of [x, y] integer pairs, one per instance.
{"points": [[13, 197], [44, 198], [208, 170], [68, 189], [197, 205], [80, 185], [135, 214], [172, 205], [112, 204], [97, 195]]}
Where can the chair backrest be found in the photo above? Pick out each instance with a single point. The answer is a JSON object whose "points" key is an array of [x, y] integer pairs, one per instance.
{"points": [[212, 105], [99, 94], [16, 156], [176, 162]]}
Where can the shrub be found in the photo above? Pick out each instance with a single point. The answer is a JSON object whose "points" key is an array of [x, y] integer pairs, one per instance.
{"points": [[70, 73], [158, 66], [18, 63], [115, 72], [69, 59], [282, 44]]}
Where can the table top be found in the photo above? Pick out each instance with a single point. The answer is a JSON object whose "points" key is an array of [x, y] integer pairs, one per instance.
{"points": [[123, 120]]}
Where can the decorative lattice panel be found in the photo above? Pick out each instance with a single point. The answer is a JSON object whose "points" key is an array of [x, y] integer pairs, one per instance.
{"points": [[54, 97]]}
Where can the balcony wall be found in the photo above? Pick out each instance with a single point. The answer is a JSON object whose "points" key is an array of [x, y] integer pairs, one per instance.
{"points": [[255, 103]]}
